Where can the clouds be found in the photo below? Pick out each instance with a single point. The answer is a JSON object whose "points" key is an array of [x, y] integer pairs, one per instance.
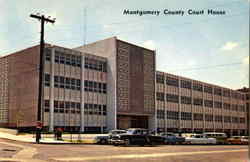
{"points": [[229, 46]]}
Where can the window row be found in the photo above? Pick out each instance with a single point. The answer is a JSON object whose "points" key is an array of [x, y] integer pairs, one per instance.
{"points": [[95, 109], [198, 117], [75, 107], [63, 106], [67, 59], [94, 64], [92, 86]]}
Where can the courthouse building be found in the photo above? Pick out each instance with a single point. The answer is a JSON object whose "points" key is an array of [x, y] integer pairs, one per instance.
{"points": [[112, 84]]}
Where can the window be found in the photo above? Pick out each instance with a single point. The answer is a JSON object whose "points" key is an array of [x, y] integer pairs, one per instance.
{"points": [[217, 104], [227, 119], [226, 106], [47, 80], [197, 87], [62, 59], [226, 93], [198, 116], [217, 91], [186, 116], [208, 89], [78, 84], [78, 61], [73, 83], [186, 100], [186, 84], [56, 81], [218, 118], [46, 105], [242, 120], [198, 101], [104, 86], [208, 103], [160, 96], [67, 83], [241, 108], [173, 115], [208, 117], [235, 120], [160, 78], [172, 81], [56, 57], [73, 60], [234, 107], [61, 81], [47, 54], [160, 114], [68, 59], [172, 98]]}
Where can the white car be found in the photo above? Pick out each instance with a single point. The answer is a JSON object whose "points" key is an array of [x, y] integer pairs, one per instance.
{"points": [[200, 139]]}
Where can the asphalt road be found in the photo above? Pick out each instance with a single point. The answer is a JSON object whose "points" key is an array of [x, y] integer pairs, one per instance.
{"points": [[106, 153]]}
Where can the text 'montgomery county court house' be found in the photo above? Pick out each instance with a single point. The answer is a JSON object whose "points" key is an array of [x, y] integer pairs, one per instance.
{"points": [[112, 84]]}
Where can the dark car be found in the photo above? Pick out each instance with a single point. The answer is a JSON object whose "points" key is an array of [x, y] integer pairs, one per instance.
{"points": [[171, 138], [137, 136], [104, 139]]}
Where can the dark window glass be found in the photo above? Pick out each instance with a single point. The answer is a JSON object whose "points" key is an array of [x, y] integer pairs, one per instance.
{"points": [[174, 115], [160, 78], [47, 80], [56, 57], [186, 100], [218, 118], [62, 80], [217, 104], [172, 81], [217, 91], [226, 106], [67, 59], [47, 54], [186, 84], [186, 116], [160, 114], [73, 83], [208, 103], [62, 59], [197, 87], [172, 98], [160, 96], [208, 117], [198, 101], [208, 89], [198, 116]]}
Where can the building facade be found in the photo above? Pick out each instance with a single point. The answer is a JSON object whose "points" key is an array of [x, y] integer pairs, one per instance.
{"points": [[186, 105], [112, 84]]}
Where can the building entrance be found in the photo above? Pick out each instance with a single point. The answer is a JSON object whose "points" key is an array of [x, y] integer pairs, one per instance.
{"points": [[125, 122]]}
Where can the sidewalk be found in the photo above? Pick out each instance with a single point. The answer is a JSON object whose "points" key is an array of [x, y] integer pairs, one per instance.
{"points": [[49, 139]]}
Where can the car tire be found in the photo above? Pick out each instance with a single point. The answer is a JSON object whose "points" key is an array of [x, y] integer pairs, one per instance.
{"points": [[103, 142], [127, 142]]}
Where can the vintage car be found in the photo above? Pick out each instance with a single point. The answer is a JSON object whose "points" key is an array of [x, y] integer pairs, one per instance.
{"points": [[137, 136], [200, 139], [221, 138], [238, 140], [104, 139], [171, 138]]}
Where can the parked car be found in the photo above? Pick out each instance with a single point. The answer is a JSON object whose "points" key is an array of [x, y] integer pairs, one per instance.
{"points": [[238, 140], [200, 139], [137, 136], [105, 139], [221, 138], [171, 138]]}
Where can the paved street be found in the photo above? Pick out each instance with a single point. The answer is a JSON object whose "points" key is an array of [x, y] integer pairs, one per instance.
{"points": [[20, 151]]}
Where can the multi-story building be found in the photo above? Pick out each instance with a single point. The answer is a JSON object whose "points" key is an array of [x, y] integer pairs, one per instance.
{"points": [[111, 84], [247, 92], [186, 105]]}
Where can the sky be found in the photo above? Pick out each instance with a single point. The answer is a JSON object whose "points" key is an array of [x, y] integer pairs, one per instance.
{"points": [[209, 48]]}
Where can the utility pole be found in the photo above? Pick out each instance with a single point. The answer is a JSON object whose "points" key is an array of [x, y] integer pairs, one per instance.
{"points": [[39, 125]]}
